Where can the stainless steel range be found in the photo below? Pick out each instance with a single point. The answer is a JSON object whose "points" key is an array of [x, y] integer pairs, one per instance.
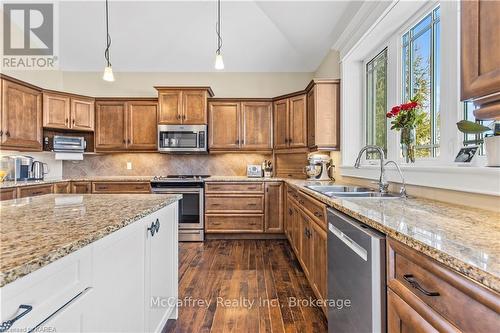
{"points": [[191, 206]]}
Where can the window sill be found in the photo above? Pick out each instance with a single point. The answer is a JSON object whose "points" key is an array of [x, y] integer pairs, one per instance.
{"points": [[473, 179]]}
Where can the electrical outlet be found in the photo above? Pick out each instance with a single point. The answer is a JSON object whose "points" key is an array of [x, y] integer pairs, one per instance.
{"points": [[129, 165]]}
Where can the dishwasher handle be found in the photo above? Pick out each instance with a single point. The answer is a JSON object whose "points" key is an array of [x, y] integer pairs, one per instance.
{"points": [[358, 249]]}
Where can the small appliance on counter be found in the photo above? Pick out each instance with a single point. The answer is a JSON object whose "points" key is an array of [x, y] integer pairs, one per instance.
{"points": [[254, 171], [267, 167], [18, 166], [319, 167], [39, 170]]}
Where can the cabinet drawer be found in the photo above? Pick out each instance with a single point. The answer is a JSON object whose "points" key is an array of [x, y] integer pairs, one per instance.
{"points": [[8, 193], [31, 191], [234, 223], [120, 187], [62, 187], [234, 187], [315, 208], [453, 296], [234, 204]]}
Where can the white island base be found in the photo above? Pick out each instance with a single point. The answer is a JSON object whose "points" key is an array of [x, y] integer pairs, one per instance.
{"points": [[126, 281]]}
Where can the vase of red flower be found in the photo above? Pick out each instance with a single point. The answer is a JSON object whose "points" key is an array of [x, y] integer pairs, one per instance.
{"points": [[407, 117]]}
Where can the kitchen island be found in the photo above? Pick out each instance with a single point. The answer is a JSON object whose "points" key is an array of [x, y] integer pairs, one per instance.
{"points": [[89, 262]]}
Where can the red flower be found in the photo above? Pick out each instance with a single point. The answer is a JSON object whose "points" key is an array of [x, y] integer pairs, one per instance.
{"points": [[395, 110], [389, 115], [414, 104], [405, 106]]}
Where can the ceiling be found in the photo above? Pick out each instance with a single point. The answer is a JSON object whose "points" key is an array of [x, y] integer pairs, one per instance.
{"points": [[179, 36]]}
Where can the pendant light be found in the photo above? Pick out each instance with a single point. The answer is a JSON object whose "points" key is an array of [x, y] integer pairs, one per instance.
{"points": [[219, 63], [108, 70]]}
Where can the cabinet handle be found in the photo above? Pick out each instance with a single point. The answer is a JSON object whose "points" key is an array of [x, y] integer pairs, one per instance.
{"points": [[215, 204], [413, 282], [36, 193], [184, 117], [301, 201], [8, 323], [124, 141], [318, 214], [215, 223], [252, 204], [128, 141], [157, 225], [252, 188], [215, 188], [152, 229], [7, 134], [290, 140], [290, 212], [66, 120]]}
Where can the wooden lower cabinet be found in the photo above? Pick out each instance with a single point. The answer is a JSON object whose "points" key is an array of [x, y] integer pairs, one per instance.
{"points": [[425, 296], [81, 187], [225, 223], [104, 187], [31, 191], [8, 193], [62, 187]]}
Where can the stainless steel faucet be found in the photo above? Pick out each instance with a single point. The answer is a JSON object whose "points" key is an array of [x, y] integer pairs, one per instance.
{"points": [[383, 185], [402, 191]]}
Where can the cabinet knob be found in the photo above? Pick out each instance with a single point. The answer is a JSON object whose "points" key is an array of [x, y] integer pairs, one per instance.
{"points": [[67, 120], [157, 225], [128, 141], [124, 141], [152, 229], [73, 121], [7, 134]]}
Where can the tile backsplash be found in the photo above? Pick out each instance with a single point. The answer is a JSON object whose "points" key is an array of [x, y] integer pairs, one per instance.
{"points": [[150, 164]]}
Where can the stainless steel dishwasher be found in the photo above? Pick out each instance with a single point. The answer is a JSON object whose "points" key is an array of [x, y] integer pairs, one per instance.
{"points": [[356, 276]]}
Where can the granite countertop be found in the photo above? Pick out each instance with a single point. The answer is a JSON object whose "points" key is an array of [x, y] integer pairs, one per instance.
{"points": [[463, 238], [20, 183], [36, 231]]}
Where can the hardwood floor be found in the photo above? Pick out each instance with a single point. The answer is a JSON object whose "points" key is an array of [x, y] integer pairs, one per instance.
{"points": [[243, 286]]}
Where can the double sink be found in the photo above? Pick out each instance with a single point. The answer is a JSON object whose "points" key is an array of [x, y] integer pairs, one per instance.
{"points": [[343, 191]]}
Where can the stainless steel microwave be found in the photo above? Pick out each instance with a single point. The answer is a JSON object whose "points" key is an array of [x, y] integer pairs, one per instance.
{"points": [[182, 138]]}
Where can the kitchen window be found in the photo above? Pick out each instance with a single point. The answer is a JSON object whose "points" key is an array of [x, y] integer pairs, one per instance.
{"points": [[474, 139], [376, 103], [421, 77]]}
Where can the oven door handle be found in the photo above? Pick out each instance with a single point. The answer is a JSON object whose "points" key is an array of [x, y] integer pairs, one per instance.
{"points": [[178, 190]]}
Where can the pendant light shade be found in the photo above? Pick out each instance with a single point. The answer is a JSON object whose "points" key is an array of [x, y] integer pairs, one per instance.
{"points": [[108, 70], [219, 63]]}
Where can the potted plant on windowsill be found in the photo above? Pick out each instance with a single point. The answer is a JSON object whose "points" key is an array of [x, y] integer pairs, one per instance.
{"points": [[407, 117], [491, 142]]}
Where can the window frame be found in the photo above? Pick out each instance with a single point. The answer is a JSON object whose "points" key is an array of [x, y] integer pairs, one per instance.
{"points": [[373, 55], [434, 109]]}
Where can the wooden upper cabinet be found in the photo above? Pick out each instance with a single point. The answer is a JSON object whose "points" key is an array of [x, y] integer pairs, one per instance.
{"points": [[281, 124], [21, 117], [82, 113], [194, 107], [224, 125], [65, 111], [256, 125], [111, 126], [297, 137], [480, 60], [183, 105], [56, 110], [142, 126], [323, 115], [170, 105], [290, 123]]}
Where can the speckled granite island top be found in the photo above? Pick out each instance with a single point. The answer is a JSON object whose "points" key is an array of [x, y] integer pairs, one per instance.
{"points": [[462, 238], [36, 231]]}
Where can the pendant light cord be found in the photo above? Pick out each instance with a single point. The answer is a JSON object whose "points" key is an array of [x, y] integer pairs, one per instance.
{"points": [[108, 38], [219, 37]]}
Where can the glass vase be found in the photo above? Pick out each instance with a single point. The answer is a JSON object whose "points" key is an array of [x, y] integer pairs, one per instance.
{"points": [[408, 142]]}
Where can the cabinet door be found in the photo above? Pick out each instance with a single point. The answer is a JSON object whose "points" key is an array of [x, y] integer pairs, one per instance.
{"points": [[224, 129], [82, 114], [274, 207], [142, 125], [480, 58], [305, 243], [281, 124], [161, 267], [194, 107], [56, 110], [401, 318], [33, 191], [81, 187], [296, 230], [298, 122], [288, 219], [256, 126], [111, 126], [319, 260], [8, 193], [62, 187], [118, 260], [21, 117], [170, 107]]}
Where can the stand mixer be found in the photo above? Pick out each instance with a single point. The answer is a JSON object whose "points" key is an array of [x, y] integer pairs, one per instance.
{"points": [[319, 167]]}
